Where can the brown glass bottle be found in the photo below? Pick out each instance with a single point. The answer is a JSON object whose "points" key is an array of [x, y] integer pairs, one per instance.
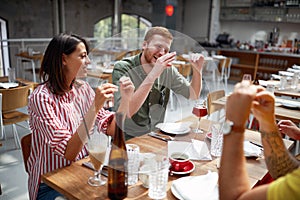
{"points": [[117, 169]]}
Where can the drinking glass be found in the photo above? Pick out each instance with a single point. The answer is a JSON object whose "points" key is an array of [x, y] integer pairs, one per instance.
{"points": [[133, 152], [97, 146], [200, 110], [11, 75], [158, 178], [247, 77]]}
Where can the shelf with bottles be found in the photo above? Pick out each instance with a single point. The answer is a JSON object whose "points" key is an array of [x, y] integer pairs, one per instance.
{"points": [[251, 62], [279, 12]]}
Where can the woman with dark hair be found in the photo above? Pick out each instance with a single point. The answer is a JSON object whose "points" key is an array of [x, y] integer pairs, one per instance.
{"points": [[58, 106]]}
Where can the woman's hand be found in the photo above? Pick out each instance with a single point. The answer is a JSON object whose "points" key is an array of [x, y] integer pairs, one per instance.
{"points": [[197, 61], [126, 88], [103, 93]]}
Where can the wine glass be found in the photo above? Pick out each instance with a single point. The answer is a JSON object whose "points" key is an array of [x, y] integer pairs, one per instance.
{"points": [[247, 77], [97, 146], [200, 110]]}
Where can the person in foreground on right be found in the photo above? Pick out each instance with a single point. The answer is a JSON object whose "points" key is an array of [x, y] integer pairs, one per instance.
{"points": [[233, 177]]}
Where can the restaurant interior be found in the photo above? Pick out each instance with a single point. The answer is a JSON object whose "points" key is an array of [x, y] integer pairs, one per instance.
{"points": [[236, 37]]}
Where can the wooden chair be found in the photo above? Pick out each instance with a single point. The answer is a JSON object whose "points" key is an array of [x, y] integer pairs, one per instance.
{"points": [[212, 96], [26, 147], [123, 54], [11, 100]]}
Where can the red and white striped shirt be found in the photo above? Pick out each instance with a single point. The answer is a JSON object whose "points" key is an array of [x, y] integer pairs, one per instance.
{"points": [[53, 121]]}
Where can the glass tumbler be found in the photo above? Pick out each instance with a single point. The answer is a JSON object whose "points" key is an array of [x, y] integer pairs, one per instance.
{"points": [[158, 179], [133, 152], [11, 75]]}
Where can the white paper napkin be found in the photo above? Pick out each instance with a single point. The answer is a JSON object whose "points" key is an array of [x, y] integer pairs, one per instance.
{"points": [[197, 187], [251, 150], [197, 150]]}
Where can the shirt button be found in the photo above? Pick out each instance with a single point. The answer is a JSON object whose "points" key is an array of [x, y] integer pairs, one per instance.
{"points": [[149, 104]]}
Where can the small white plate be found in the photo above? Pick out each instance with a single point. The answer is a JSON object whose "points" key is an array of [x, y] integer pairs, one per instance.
{"points": [[9, 85]]}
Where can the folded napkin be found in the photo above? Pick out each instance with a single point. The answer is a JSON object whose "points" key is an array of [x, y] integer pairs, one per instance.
{"points": [[197, 150], [251, 150], [197, 187]]}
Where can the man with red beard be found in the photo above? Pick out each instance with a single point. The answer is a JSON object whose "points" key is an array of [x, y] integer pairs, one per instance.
{"points": [[153, 76]]}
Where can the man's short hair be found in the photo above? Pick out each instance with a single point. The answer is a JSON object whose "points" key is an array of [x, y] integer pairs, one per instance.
{"points": [[158, 30]]}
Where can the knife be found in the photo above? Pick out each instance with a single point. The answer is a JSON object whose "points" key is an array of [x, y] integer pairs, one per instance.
{"points": [[152, 134], [90, 166]]}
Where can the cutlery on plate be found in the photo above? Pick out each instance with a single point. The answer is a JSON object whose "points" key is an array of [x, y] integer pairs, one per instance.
{"points": [[158, 136]]}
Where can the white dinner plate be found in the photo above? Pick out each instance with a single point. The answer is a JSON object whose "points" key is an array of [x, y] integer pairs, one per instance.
{"points": [[7, 85], [174, 128]]}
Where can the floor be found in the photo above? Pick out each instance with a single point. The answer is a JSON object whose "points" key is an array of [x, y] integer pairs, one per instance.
{"points": [[13, 178]]}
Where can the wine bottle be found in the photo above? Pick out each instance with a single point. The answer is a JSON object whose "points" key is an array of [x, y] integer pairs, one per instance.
{"points": [[117, 169]]}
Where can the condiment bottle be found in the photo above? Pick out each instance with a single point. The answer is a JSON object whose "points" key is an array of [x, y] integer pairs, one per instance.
{"points": [[117, 169]]}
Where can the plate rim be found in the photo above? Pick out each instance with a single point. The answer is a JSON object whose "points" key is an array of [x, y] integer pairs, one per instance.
{"points": [[175, 193], [174, 132], [209, 137], [288, 105]]}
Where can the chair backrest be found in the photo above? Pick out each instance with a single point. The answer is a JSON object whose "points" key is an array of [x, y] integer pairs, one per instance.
{"points": [[212, 96], [26, 147], [15, 98], [123, 54]]}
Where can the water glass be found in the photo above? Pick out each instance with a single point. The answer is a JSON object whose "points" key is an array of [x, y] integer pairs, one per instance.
{"points": [[146, 167], [158, 178], [247, 77], [283, 82], [133, 152], [216, 140], [295, 80], [271, 88], [11, 75]]}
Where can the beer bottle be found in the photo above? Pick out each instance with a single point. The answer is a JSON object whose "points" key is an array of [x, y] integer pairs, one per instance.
{"points": [[117, 169]]}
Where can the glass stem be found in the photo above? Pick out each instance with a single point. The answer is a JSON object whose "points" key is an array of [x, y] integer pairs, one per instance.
{"points": [[98, 173], [198, 126]]}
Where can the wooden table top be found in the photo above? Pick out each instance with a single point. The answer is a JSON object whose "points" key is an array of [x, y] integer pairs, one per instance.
{"points": [[287, 92], [71, 181], [280, 111], [20, 80]]}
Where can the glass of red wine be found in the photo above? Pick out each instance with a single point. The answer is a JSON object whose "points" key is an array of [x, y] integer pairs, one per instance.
{"points": [[199, 110]]}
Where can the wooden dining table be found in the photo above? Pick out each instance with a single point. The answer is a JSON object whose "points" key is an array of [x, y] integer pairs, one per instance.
{"points": [[71, 181], [281, 112]]}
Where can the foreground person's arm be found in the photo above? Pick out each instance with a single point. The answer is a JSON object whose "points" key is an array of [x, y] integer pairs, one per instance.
{"points": [[233, 176], [279, 161]]}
